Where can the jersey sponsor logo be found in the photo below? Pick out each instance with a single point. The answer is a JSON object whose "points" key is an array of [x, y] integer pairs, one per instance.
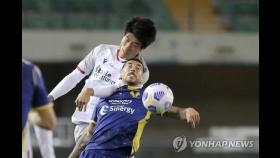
{"points": [[103, 75], [104, 110], [122, 102], [116, 108]]}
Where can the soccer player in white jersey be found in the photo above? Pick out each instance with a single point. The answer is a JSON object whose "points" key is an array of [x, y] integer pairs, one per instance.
{"points": [[103, 65]]}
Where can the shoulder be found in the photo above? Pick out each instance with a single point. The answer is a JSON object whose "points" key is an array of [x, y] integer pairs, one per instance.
{"points": [[27, 64], [103, 49], [24, 61], [106, 46]]}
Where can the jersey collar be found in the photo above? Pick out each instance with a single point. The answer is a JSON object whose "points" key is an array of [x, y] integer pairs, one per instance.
{"points": [[118, 58], [123, 60], [137, 87]]}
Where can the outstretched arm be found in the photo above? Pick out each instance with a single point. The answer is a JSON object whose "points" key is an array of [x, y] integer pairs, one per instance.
{"points": [[93, 89], [81, 144], [189, 114], [66, 84]]}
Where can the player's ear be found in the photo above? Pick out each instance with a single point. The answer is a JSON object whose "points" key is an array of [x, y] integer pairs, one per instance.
{"points": [[142, 79]]}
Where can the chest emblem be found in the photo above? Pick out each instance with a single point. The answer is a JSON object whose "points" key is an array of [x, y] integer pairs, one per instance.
{"points": [[134, 94]]}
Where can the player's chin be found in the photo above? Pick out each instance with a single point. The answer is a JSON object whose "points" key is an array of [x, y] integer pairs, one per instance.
{"points": [[131, 81], [131, 78]]}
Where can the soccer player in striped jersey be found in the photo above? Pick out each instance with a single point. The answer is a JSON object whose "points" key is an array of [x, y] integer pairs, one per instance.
{"points": [[34, 97]]}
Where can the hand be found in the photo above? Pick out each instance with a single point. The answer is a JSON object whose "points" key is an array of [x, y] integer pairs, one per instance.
{"points": [[192, 116], [50, 97], [83, 98], [119, 83], [33, 117]]}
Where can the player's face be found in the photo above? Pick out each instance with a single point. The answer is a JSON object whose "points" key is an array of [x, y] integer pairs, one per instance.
{"points": [[129, 46], [132, 72]]}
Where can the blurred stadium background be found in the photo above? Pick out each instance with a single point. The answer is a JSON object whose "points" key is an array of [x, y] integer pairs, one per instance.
{"points": [[207, 51]]}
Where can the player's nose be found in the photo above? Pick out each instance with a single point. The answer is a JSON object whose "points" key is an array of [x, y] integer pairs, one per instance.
{"points": [[132, 70]]}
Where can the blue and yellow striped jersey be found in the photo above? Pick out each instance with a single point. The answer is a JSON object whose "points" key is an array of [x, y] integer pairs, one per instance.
{"points": [[120, 120]]}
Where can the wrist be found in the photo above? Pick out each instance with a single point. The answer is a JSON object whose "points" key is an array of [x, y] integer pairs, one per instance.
{"points": [[50, 98], [182, 113], [88, 91]]}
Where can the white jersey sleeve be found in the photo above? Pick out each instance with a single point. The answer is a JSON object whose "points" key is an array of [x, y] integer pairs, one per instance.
{"points": [[71, 80], [101, 90], [88, 63], [67, 83]]}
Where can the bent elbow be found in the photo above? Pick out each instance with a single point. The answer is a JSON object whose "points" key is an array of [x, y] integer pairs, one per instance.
{"points": [[49, 124]]}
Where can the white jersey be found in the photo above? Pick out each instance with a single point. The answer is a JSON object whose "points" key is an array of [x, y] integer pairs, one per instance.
{"points": [[103, 66]]}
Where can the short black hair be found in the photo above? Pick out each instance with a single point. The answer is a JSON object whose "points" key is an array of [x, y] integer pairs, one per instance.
{"points": [[143, 29], [135, 59]]}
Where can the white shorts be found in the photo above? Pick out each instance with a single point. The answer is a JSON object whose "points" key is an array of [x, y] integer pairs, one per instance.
{"points": [[79, 130], [45, 141]]}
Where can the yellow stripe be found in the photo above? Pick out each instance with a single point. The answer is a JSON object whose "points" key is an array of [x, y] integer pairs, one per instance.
{"points": [[89, 129], [43, 107], [133, 87], [23, 140], [141, 125]]}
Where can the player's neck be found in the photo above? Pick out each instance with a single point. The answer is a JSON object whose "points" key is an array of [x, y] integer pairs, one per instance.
{"points": [[124, 56], [121, 55], [130, 83]]}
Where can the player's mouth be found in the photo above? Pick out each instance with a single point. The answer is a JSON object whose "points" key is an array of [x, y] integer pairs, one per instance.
{"points": [[131, 74]]}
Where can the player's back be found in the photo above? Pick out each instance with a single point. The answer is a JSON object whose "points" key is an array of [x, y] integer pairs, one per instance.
{"points": [[34, 93], [34, 96], [27, 89]]}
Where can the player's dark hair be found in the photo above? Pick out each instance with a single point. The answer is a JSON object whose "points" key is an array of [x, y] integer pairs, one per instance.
{"points": [[143, 29], [135, 59]]}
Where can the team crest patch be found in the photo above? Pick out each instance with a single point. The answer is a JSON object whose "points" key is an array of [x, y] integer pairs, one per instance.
{"points": [[134, 94]]}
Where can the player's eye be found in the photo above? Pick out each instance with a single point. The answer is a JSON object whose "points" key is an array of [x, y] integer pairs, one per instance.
{"points": [[136, 46]]}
